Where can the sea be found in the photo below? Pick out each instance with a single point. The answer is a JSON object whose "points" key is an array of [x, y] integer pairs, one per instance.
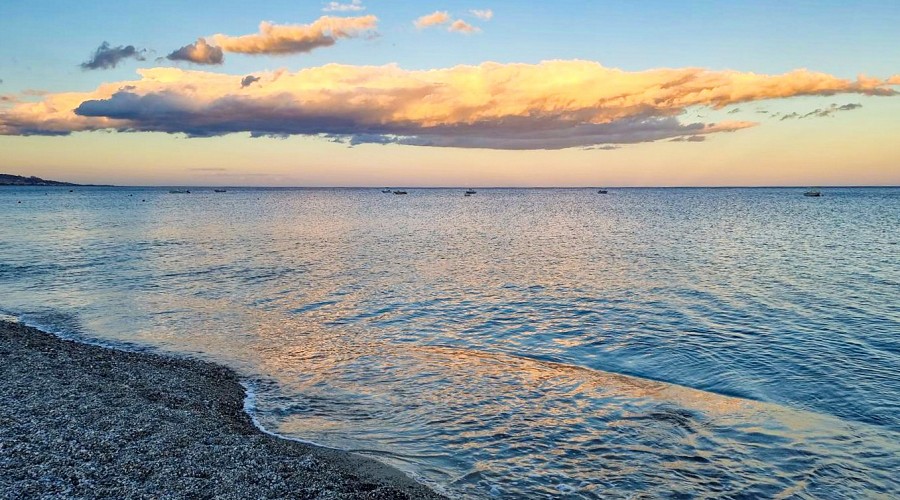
{"points": [[536, 343]]}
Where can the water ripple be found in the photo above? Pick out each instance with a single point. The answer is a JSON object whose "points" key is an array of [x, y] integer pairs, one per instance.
{"points": [[659, 342]]}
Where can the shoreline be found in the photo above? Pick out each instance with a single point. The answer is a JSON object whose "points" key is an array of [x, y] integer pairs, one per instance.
{"points": [[81, 420]]}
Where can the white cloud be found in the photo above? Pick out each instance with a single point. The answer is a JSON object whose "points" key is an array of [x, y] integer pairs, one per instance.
{"points": [[483, 14], [353, 6]]}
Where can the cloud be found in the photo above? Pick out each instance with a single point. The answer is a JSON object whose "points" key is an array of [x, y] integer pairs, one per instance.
{"points": [[735, 110], [822, 112], [434, 19], [294, 39], [199, 52], [248, 80], [353, 6], [483, 14], [461, 26], [550, 105], [106, 57], [438, 18], [689, 138]]}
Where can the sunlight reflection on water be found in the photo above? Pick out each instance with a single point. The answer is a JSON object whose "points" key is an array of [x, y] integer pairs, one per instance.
{"points": [[516, 341]]}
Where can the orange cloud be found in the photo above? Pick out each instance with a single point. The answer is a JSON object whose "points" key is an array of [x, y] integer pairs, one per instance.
{"points": [[461, 26], [199, 52], [292, 39], [433, 19], [550, 105]]}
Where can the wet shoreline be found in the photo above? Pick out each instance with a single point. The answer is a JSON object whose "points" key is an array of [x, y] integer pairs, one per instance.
{"points": [[86, 421]]}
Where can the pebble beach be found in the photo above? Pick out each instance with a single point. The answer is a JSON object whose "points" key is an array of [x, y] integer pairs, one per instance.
{"points": [[84, 421]]}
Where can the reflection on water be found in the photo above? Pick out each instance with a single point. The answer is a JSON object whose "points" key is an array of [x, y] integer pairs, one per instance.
{"points": [[704, 342]]}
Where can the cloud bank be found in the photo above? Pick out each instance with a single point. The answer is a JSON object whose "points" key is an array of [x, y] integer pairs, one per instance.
{"points": [[106, 57], [299, 38], [550, 105]]}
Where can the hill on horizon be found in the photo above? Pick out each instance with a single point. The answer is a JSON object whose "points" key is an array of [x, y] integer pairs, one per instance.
{"points": [[18, 180]]}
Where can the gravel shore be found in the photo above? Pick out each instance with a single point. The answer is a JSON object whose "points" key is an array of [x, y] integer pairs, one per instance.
{"points": [[83, 421]]}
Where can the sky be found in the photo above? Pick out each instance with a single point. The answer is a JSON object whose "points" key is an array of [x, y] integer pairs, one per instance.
{"points": [[441, 93]]}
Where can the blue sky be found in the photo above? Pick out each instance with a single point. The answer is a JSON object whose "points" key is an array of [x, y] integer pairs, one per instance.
{"points": [[42, 44], [44, 41]]}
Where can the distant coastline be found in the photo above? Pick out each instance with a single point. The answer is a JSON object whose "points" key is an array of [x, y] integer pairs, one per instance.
{"points": [[19, 180]]}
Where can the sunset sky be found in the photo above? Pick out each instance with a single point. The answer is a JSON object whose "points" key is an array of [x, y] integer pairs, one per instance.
{"points": [[487, 93]]}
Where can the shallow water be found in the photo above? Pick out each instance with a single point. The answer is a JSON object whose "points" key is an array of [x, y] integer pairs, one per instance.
{"points": [[708, 342]]}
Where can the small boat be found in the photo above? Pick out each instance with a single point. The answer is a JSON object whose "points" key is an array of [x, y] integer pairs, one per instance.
{"points": [[220, 190], [399, 192], [602, 191], [470, 192], [813, 193], [179, 191], [387, 191]]}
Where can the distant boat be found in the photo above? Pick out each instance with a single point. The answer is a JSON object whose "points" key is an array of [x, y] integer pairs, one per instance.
{"points": [[470, 192], [220, 190], [386, 190], [399, 192], [813, 193], [602, 191], [179, 191]]}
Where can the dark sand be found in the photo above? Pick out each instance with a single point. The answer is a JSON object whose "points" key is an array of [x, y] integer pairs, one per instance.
{"points": [[84, 421]]}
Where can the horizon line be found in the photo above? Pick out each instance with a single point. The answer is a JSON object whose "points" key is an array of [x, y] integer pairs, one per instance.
{"points": [[598, 186]]}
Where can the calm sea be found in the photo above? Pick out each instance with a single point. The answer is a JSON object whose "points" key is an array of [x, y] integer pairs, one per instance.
{"points": [[540, 342]]}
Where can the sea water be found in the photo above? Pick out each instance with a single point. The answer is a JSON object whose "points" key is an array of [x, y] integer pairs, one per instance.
{"points": [[517, 342]]}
